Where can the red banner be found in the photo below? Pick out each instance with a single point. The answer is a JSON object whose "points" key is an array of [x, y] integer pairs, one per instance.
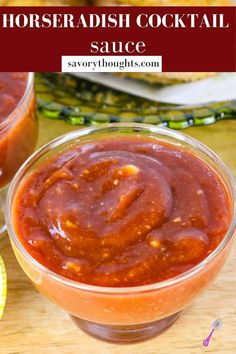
{"points": [[187, 38]]}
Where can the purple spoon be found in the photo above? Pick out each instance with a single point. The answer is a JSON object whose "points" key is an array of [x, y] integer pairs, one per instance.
{"points": [[215, 325]]}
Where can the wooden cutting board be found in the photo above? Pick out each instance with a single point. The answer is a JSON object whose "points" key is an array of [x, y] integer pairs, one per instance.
{"points": [[32, 325]]}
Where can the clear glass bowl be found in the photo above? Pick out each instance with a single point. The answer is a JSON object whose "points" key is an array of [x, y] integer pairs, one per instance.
{"points": [[127, 314], [18, 137]]}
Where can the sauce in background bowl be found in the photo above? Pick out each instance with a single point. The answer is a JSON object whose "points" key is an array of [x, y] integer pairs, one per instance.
{"points": [[18, 124], [122, 226], [12, 88]]}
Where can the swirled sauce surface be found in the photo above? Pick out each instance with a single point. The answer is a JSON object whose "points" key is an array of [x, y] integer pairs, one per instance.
{"points": [[122, 212]]}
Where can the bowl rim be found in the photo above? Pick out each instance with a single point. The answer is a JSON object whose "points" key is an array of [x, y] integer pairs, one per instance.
{"points": [[70, 137], [14, 114]]}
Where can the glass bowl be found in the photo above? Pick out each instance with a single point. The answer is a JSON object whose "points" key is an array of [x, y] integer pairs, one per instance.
{"points": [[18, 137], [126, 314]]}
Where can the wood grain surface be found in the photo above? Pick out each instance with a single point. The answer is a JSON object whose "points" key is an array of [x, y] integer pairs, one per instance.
{"points": [[32, 325]]}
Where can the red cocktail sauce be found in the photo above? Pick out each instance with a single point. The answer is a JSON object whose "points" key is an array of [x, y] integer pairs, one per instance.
{"points": [[123, 212], [18, 124]]}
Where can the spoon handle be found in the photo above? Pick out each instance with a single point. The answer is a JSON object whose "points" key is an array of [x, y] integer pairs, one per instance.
{"points": [[207, 340]]}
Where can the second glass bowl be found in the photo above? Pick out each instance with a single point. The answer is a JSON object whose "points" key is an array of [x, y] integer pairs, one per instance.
{"points": [[18, 137]]}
